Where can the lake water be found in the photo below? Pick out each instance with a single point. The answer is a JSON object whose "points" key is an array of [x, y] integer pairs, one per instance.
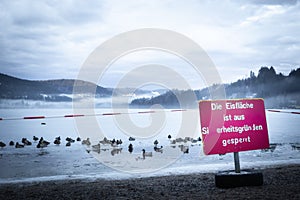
{"points": [[83, 162]]}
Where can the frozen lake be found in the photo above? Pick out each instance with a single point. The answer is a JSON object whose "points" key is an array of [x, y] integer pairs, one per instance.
{"points": [[81, 161]]}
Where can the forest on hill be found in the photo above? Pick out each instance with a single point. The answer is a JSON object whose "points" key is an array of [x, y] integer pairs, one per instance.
{"points": [[278, 90], [48, 90]]}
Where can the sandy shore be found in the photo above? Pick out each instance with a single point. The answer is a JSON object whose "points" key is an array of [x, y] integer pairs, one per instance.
{"points": [[281, 182]]}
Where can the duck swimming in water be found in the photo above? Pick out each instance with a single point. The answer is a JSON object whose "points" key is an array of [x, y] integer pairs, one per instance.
{"points": [[184, 149], [42, 143], [56, 141], [158, 149], [86, 142], [68, 139], [35, 138], [2, 144], [116, 151], [19, 145], [146, 154], [130, 148], [26, 142], [68, 144]]}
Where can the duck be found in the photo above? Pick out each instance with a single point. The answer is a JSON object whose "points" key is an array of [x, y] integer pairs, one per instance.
{"points": [[155, 142], [56, 141], [68, 139], [19, 145], [158, 149], [194, 141], [169, 137], [105, 141], [68, 144], [119, 142], [116, 151], [2, 144], [42, 143], [35, 138], [179, 140], [146, 154], [11, 143], [113, 141], [131, 139], [130, 148], [187, 139], [26, 142], [86, 142], [78, 139], [184, 149]]}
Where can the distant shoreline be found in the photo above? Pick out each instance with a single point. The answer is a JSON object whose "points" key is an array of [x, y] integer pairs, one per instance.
{"points": [[280, 182], [278, 91]]}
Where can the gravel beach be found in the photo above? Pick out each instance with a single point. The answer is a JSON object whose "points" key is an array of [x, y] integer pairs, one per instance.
{"points": [[280, 182]]}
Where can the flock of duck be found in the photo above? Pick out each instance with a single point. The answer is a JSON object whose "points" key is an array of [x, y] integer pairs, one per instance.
{"points": [[116, 145], [105, 144], [41, 142]]}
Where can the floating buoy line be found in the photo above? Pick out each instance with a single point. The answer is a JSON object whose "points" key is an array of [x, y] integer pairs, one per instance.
{"points": [[90, 115], [284, 111], [116, 113]]}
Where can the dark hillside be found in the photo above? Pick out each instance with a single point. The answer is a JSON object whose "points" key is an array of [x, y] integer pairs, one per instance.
{"points": [[50, 90]]}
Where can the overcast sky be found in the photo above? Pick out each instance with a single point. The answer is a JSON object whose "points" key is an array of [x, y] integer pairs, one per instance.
{"points": [[52, 39]]}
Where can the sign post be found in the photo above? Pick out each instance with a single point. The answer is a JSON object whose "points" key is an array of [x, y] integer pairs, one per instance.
{"points": [[233, 125], [237, 162]]}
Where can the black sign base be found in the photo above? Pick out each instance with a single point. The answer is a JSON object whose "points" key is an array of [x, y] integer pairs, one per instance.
{"points": [[231, 179]]}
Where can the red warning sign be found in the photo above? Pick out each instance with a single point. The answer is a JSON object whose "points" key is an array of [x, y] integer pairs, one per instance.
{"points": [[233, 125]]}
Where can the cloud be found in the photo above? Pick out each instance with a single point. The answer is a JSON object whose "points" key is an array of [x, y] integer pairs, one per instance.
{"points": [[52, 39], [45, 37], [274, 2], [264, 13]]}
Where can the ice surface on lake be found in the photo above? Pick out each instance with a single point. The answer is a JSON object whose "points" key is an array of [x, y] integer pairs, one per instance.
{"points": [[61, 162]]}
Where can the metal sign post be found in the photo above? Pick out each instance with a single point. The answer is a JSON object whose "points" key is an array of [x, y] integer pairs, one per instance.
{"points": [[237, 162]]}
